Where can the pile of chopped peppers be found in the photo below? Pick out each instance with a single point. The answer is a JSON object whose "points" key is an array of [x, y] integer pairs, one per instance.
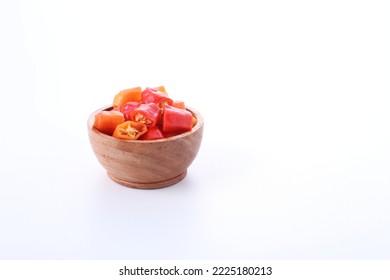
{"points": [[147, 114]]}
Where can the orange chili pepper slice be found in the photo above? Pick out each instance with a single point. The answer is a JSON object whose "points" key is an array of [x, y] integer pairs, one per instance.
{"points": [[162, 89], [127, 95], [194, 121], [179, 104], [106, 121], [129, 130]]}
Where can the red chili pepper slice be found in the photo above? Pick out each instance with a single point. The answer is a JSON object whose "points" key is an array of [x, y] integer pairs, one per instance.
{"points": [[146, 113], [152, 95], [176, 120], [128, 108], [153, 133]]}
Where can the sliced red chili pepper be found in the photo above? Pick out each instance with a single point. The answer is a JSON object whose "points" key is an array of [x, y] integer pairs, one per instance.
{"points": [[146, 113], [128, 108], [152, 95], [153, 133], [129, 130], [176, 120]]}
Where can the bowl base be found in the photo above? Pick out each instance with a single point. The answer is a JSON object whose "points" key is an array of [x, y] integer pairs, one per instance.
{"points": [[152, 185]]}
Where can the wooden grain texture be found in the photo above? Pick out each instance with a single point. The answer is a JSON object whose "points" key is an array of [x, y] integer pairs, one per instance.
{"points": [[146, 164]]}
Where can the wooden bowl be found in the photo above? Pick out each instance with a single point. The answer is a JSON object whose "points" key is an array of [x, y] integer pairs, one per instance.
{"points": [[146, 164]]}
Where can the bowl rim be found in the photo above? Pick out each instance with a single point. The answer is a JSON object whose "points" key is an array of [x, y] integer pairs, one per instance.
{"points": [[194, 112]]}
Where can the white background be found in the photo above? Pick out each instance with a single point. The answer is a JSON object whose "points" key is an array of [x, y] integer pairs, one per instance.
{"points": [[295, 159]]}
